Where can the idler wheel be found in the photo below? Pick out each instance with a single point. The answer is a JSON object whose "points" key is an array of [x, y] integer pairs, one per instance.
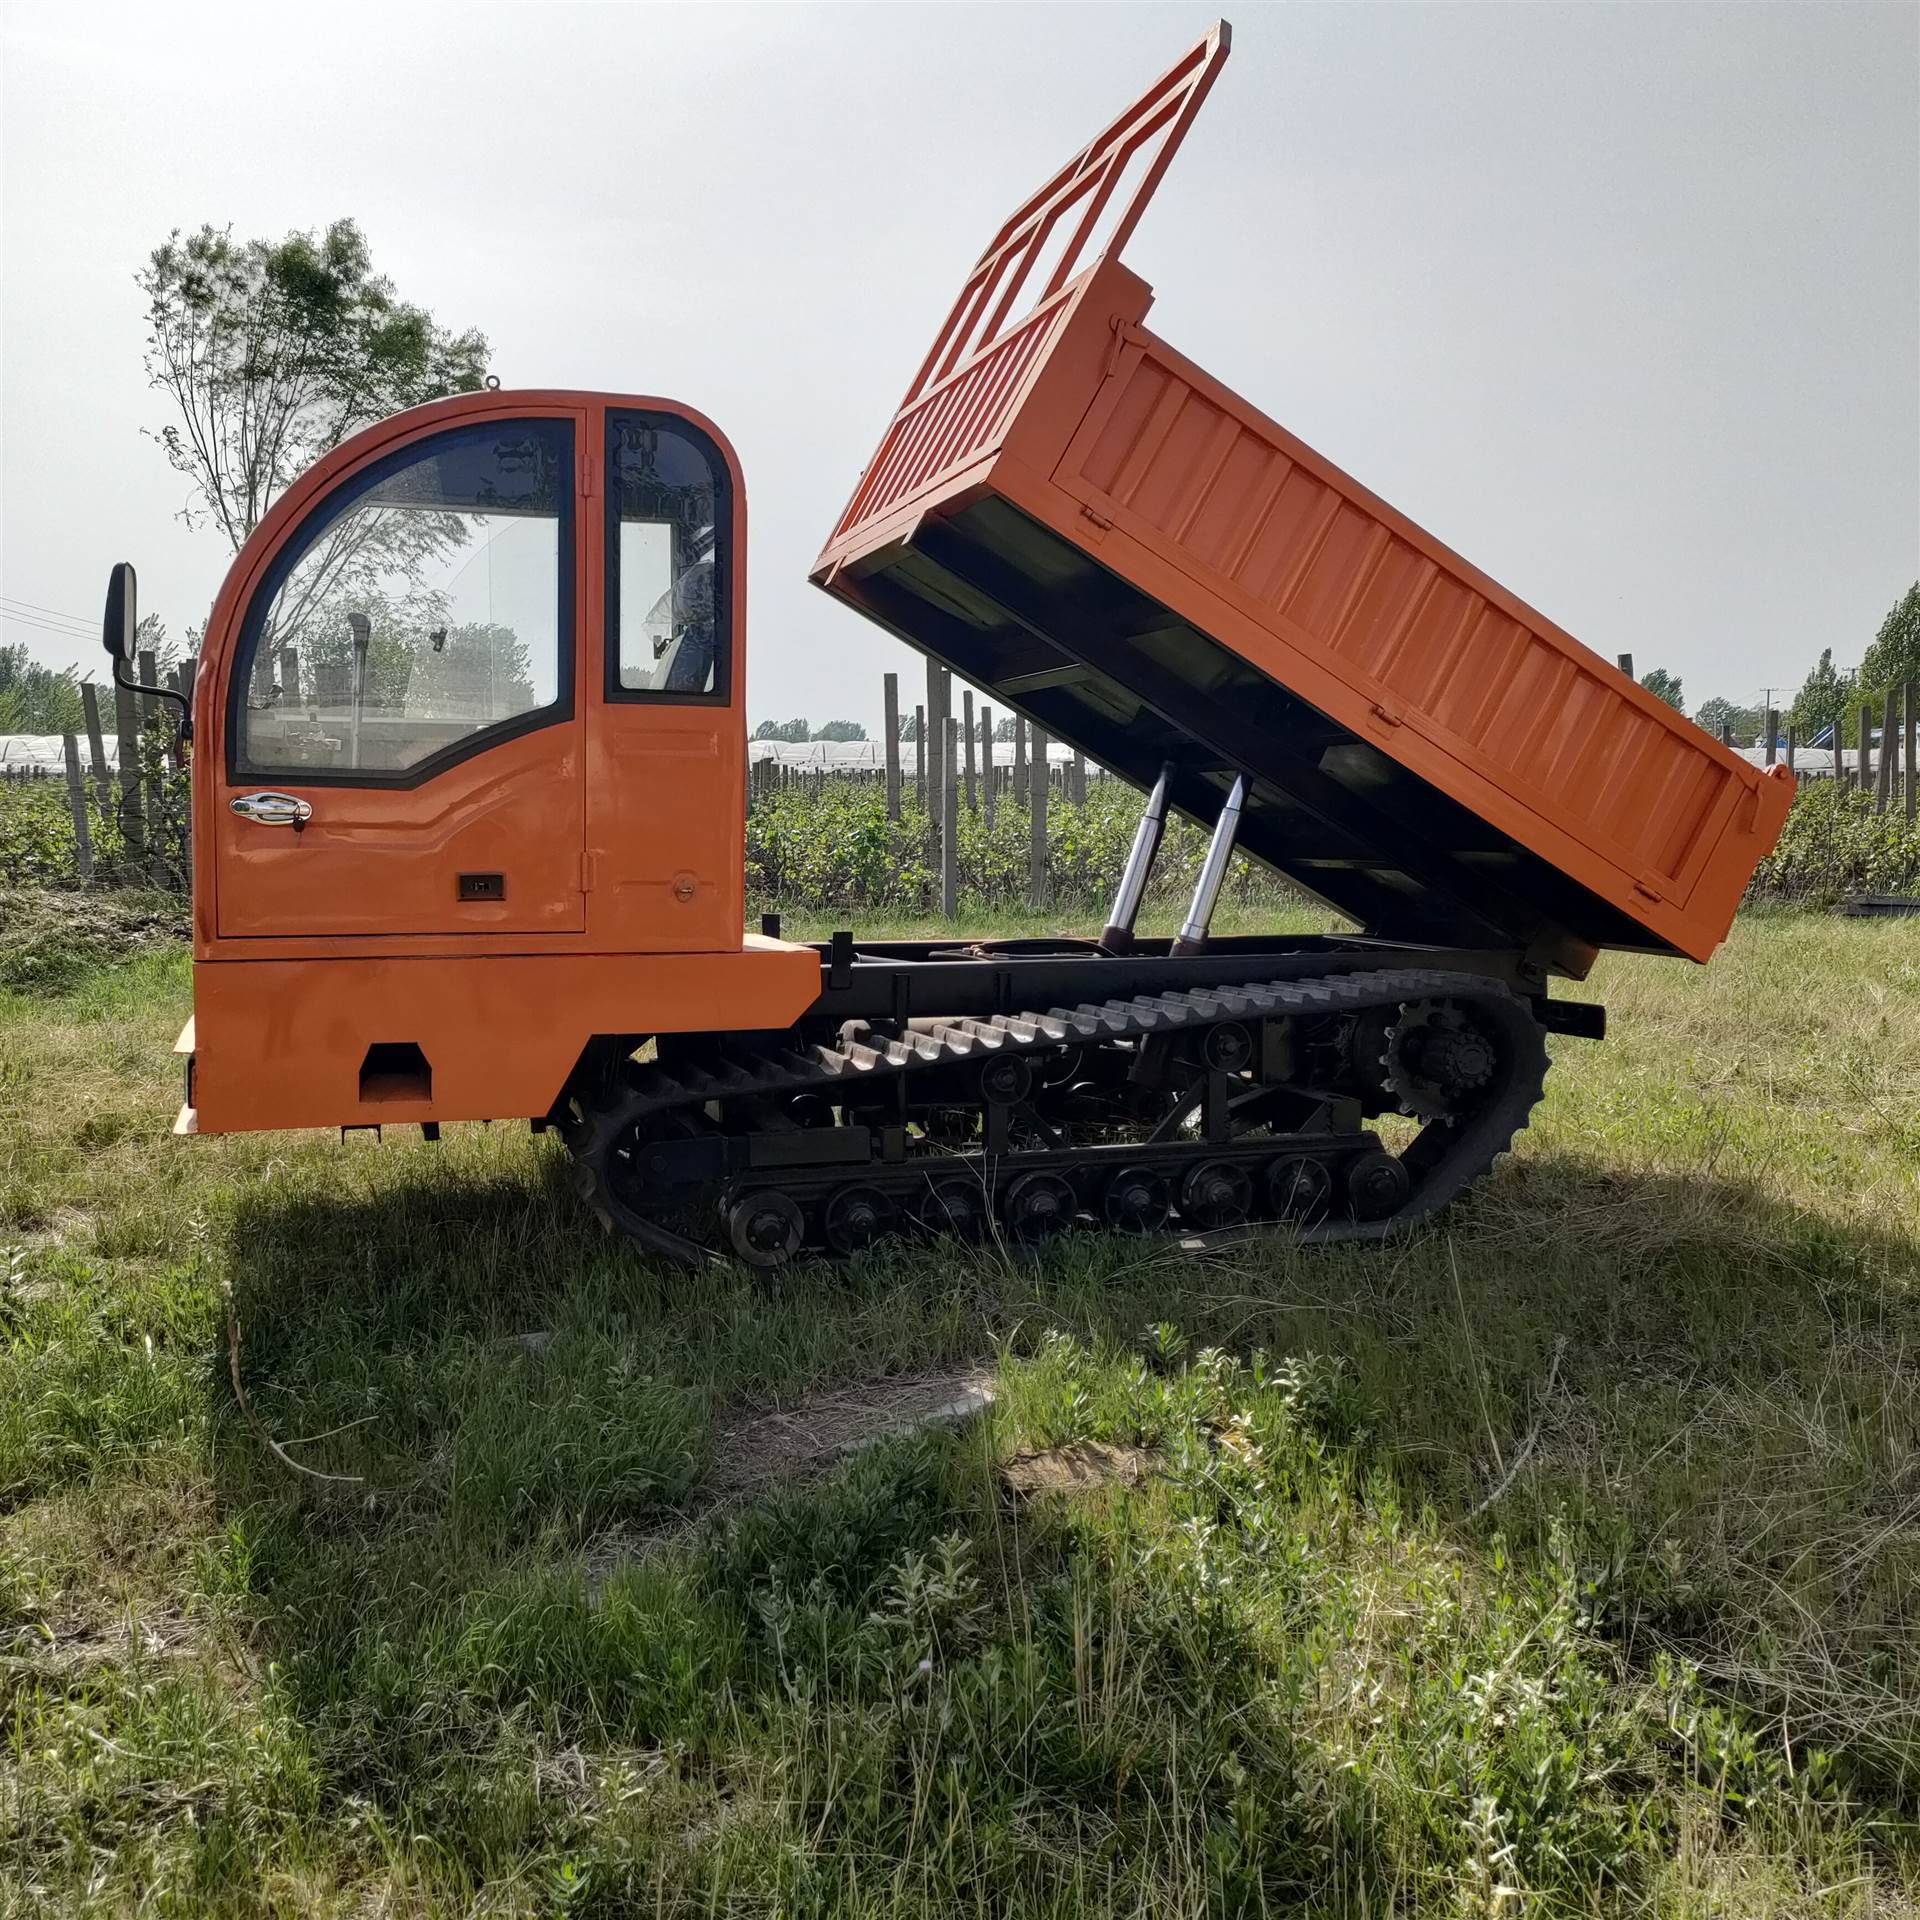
{"points": [[1217, 1193], [1136, 1201]]}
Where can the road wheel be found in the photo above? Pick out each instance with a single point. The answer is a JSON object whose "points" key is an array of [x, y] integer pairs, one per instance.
{"points": [[855, 1217], [765, 1227], [1037, 1206], [954, 1209], [1298, 1188], [1377, 1185], [1217, 1193], [1136, 1201]]}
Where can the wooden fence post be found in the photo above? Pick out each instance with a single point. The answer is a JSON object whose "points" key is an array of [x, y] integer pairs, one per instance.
{"points": [[1770, 719], [290, 676], [96, 744], [950, 821], [986, 762], [1907, 746], [1020, 794], [1625, 662], [155, 783], [126, 723], [1077, 785], [1037, 822], [1790, 747], [936, 762], [891, 684], [920, 755], [966, 709], [1884, 790], [77, 800]]}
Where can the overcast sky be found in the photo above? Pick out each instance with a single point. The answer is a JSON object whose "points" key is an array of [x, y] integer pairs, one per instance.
{"points": [[1623, 302]]}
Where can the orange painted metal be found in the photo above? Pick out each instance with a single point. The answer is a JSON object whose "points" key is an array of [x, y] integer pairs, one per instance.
{"points": [[1117, 444], [372, 871], [619, 830], [280, 1043]]}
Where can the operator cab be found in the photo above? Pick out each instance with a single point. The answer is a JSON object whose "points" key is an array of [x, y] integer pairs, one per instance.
{"points": [[479, 675]]}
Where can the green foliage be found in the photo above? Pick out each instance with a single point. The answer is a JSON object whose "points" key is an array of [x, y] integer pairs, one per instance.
{"points": [[38, 843], [840, 730], [1743, 723], [829, 845], [272, 352], [791, 730], [37, 699], [1664, 686], [1822, 699], [1835, 843], [1894, 655]]}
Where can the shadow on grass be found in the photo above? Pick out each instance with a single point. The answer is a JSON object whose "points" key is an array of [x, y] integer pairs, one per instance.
{"points": [[1709, 1393]]}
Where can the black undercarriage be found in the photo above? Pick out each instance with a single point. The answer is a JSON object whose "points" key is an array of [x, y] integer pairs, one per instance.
{"points": [[1010, 1089]]}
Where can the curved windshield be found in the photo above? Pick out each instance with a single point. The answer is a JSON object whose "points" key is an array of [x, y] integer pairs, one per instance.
{"points": [[421, 607]]}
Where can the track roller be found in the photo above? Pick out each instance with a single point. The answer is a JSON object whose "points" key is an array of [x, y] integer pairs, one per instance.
{"points": [[765, 1227], [1136, 1201], [855, 1216], [954, 1208], [1217, 1193], [1227, 1048], [1005, 1080], [1038, 1205], [1377, 1185], [1298, 1188]]}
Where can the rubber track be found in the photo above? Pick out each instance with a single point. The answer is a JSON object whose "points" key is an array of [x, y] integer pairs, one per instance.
{"points": [[840, 1072]]}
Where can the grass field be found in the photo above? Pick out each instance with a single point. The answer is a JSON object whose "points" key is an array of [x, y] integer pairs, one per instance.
{"points": [[1564, 1558]]}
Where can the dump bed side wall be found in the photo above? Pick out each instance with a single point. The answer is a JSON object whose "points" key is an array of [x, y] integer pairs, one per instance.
{"points": [[1336, 576], [1100, 429]]}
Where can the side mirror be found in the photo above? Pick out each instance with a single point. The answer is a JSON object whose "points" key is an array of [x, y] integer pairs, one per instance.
{"points": [[122, 616]]}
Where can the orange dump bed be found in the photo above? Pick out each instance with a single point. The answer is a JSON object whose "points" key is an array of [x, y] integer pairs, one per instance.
{"points": [[1086, 525]]}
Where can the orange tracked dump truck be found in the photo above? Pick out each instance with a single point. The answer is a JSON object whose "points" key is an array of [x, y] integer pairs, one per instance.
{"points": [[470, 774]]}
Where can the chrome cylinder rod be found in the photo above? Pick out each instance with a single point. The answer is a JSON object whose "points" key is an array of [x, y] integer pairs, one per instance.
{"points": [[1213, 870], [1118, 934]]}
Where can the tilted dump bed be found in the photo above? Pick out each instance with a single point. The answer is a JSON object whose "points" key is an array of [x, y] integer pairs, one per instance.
{"points": [[1089, 527]]}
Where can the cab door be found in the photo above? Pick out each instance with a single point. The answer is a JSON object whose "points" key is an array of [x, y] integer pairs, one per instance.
{"points": [[666, 808], [402, 749]]}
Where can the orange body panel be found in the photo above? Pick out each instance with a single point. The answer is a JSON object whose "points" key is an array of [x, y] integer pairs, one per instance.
{"points": [[618, 828], [1123, 449], [279, 1043]]}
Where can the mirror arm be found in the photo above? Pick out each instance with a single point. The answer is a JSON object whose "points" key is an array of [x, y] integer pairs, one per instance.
{"points": [[179, 699]]}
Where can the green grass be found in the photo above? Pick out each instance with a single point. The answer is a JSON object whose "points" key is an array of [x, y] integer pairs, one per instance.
{"points": [[1561, 1559]]}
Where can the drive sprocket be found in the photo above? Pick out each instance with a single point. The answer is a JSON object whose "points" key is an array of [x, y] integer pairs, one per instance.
{"points": [[1434, 1059]]}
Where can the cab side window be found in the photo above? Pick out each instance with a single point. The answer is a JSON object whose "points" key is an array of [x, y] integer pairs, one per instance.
{"points": [[423, 613], [669, 527]]}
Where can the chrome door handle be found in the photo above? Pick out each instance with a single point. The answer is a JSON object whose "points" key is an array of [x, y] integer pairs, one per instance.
{"points": [[272, 809]]}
